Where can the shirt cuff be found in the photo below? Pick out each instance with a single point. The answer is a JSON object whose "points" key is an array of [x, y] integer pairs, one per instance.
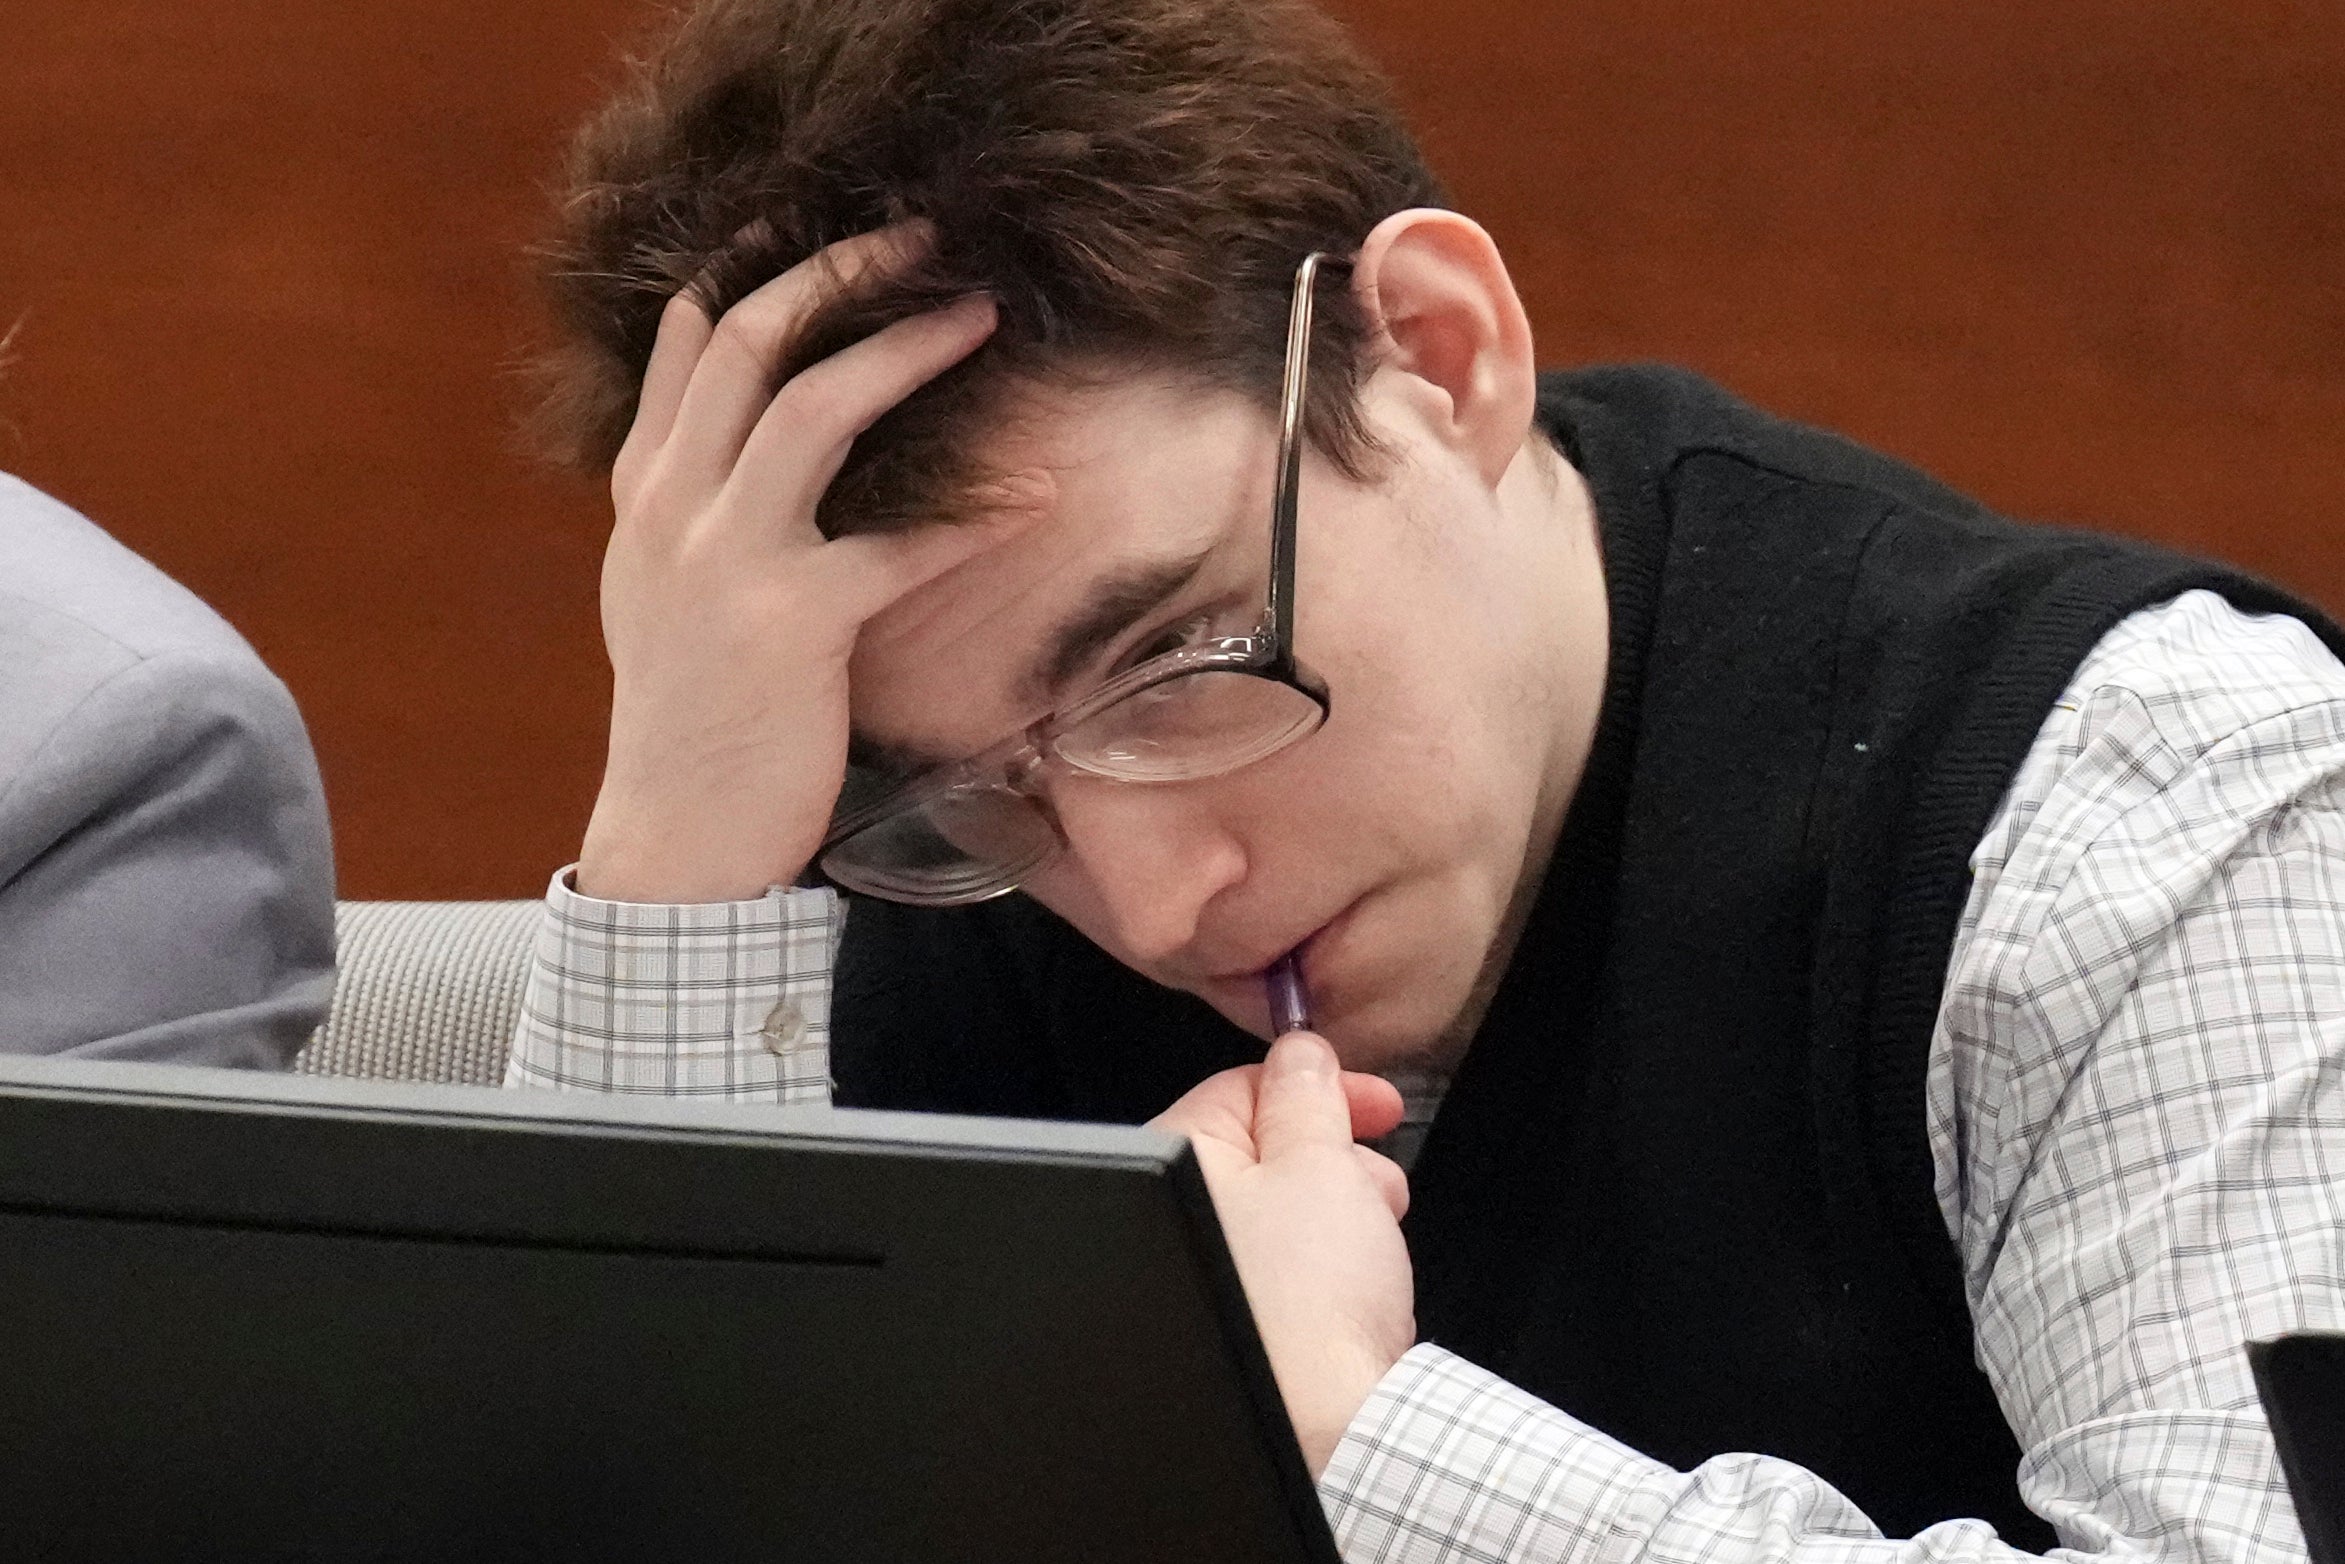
{"points": [[723, 999], [1448, 1461]]}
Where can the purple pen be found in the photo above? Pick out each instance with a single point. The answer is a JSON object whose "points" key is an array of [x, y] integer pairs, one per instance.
{"points": [[1290, 1002]]}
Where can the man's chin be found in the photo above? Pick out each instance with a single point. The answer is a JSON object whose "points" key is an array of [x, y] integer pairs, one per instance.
{"points": [[1395, 1036]]}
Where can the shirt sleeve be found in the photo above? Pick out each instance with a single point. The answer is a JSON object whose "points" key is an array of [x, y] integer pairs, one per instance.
{"points": [[726, 1000], [2137, 1109]]}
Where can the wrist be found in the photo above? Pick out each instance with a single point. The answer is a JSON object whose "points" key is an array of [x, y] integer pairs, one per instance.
{"points": [[673, 853], [1350, 1375]]}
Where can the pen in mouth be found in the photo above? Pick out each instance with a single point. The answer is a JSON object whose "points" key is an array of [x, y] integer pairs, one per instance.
{"points": [[1290, 1002]]}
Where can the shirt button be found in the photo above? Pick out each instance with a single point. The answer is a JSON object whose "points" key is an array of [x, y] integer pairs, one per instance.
{"points": [[785, 1029]]}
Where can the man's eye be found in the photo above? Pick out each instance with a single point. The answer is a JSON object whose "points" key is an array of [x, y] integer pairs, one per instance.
{"points": [[1190, 631]]}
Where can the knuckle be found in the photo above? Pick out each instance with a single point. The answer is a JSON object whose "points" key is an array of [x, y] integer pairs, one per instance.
{"points": [[811, 409], [759, 325], [742, 330], [640, 489], [764, 322], [628, 472]]}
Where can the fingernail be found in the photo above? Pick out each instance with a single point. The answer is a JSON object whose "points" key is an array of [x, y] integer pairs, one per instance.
{"points": [[1301, 1053]]}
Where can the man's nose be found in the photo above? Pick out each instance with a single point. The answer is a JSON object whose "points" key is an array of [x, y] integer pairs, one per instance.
{"points": [[1149, 856]]}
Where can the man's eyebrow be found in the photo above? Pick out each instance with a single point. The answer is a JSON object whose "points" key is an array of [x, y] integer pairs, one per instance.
{"points": [[1113, 606]]}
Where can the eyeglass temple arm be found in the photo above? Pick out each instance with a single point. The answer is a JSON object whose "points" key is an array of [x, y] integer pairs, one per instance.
{"points": [[1290, 457]]}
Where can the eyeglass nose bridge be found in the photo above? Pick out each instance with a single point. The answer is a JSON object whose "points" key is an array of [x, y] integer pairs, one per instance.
{"points": [[1023, 772]]}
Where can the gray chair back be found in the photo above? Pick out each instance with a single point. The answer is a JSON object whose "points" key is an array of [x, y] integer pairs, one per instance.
{"points": [[427, 991]]}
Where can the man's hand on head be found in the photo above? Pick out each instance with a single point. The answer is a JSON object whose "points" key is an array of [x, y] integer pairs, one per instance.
{"points": [[728, 616], [1313, 1221]]}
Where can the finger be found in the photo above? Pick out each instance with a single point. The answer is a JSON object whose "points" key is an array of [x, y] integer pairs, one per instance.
{"points": [[1219, 1108], [684, 332], [1300, 1101], [884, 566], [1390, 1181], [1375, 1104], [804, 433], [686, 324], [734, 378]]}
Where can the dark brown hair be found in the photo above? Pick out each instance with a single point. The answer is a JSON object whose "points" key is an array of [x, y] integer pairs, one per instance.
{"points": [[1133, 181]]}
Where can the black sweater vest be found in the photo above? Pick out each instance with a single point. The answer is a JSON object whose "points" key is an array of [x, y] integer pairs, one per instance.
{"points": [[1681, 1185]]}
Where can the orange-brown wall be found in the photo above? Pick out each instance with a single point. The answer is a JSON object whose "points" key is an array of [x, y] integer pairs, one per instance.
{"points": [[2084, 257]]}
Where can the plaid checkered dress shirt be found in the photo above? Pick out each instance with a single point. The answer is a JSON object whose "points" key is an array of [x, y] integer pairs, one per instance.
{"points": [[2136, 1105]]}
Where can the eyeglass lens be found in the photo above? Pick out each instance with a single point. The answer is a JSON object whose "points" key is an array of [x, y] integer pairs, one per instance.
{"points": [[1186, 728]]}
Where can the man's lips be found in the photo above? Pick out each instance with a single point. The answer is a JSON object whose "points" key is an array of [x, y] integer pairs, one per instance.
{"points": [[1255, 968]]}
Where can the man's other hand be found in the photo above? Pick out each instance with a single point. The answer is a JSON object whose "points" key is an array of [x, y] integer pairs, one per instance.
{"points": [[1313, 1221]]}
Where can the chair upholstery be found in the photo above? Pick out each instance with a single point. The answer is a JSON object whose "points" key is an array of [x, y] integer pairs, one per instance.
{"points": [[428, 990]]}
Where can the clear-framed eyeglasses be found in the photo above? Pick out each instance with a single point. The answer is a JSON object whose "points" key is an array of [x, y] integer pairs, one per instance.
{"points": [[975, 828]]}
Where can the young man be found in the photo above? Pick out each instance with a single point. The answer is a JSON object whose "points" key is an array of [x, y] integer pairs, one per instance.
{"points": [[1881, 969]]}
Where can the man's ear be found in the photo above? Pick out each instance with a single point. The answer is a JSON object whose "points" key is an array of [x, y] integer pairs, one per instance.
{"points": [[1442, 312]]}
